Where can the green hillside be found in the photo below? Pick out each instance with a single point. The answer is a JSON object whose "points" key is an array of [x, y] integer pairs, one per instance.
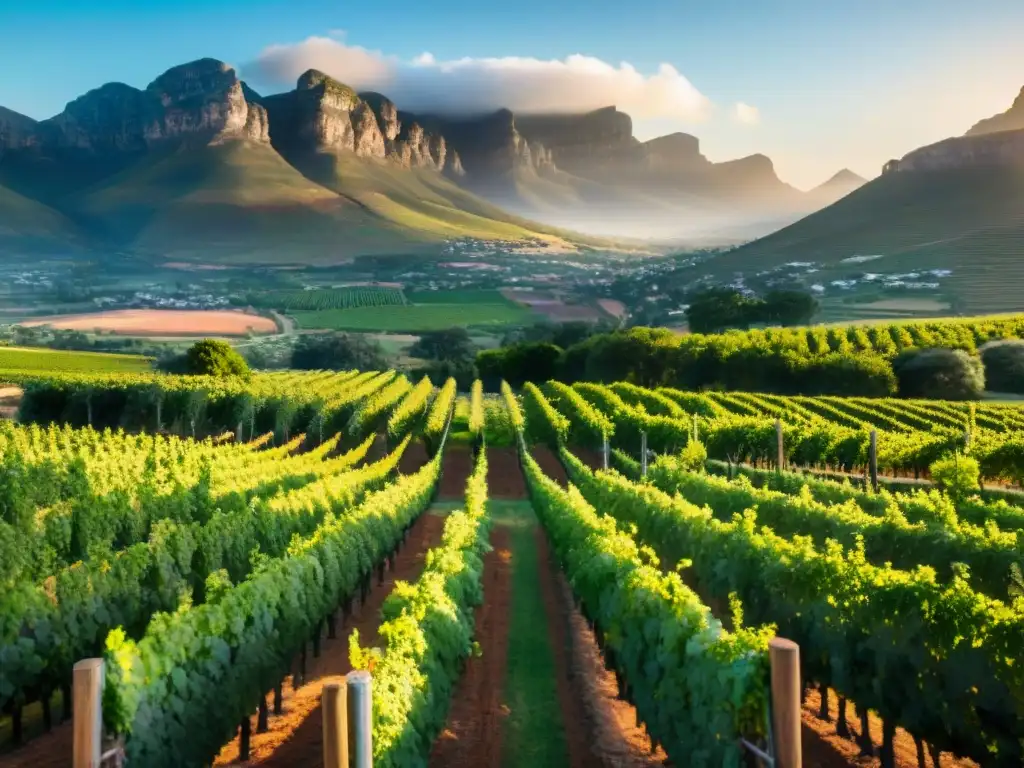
{"points": [[970, 221], [419, 200], [27, 226], [235, 201]]}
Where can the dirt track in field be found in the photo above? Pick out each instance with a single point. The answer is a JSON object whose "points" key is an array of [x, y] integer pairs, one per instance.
{"points": [[472, 736], [295, 737]]}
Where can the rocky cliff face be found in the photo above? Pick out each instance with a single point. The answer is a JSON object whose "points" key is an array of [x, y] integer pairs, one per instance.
{"points": [[203, 101], [995, 149], [995, 141], [1010, 120], [16, 130], [675, 152], [323, 115], [576, 141]]}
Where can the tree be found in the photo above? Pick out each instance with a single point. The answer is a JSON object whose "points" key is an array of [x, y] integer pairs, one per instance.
{"points": [[338, 352], [940, 373], [517, 364], [1004, 365], [788, 307], [715, 309], [452, 345], [211, 357]]}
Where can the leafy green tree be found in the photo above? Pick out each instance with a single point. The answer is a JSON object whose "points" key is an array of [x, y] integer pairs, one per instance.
{"points": [[338, 352], [941, 374], [1004, 365], [716, 309], [212, 357], [452, 345], [788, 307]]}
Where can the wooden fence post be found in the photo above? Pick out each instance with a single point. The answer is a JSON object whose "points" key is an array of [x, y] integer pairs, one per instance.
{"points": [[605, 450], [360, 718], [780, 454], [696, 437], [873, 457], [334, 706], [786, 693], [88, 722], [643, 454]]}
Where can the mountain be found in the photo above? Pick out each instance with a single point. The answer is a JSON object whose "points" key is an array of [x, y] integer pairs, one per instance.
{"points": [[199, 165], [1010, 120], [837, 187], [956, 205]]}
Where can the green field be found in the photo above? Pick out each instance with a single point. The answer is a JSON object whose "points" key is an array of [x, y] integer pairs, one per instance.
{"points": [[442, 310], [26, 359], [349, 297]]}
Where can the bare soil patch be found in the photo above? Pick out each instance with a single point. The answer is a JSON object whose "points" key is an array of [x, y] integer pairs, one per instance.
{"points": [[504, 476], [549, 462], [10, 400], [571, 703], [414, 458], [456, 467], [613, 307], [472, 736], [611, 723], [295, 738], [824, 748], [162, 322]]}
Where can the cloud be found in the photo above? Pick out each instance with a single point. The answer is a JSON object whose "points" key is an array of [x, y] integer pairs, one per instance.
{"points": [[468, 85], [746, 114]]}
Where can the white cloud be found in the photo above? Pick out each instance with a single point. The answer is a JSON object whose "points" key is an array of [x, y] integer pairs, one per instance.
{"points": [[467, 85], [746, 114]]}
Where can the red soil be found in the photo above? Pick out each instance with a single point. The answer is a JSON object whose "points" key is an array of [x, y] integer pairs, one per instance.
{"points": [[295, 737], [504, 476], [472, 736], [824, 748], [456, 467]]}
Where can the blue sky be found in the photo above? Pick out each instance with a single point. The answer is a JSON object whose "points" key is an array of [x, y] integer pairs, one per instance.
{"points": [[834, 84]]}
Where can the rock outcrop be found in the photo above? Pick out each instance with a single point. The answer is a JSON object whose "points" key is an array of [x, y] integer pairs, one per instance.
{"points": [[1010, 120], [995, 141], [16, 130], [202, 101], [324, 115], [993, 149]]}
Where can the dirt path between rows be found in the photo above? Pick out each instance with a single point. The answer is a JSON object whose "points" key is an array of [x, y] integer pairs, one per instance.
{"points": [[824, 748], [295, 737], [472, 736]]}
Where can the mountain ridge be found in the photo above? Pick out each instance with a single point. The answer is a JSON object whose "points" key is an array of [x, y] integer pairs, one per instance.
{"points": [[535, 175]]}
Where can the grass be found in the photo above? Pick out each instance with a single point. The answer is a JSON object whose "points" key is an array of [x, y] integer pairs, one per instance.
{"points": [[31, 359], [533, 731], [415, 318], [459, 297]]}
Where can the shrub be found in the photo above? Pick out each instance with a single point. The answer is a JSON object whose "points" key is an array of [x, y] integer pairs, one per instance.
{"points": [[694, 456], [957, 475], [211, 357], [1004, 366], [941, 374]]}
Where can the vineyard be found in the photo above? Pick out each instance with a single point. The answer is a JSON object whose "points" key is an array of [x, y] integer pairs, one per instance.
{"points": [[349, 297], [569, 575]]}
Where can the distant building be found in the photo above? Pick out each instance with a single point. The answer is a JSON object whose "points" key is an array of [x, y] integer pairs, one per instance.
{"points": [[893, 166]]}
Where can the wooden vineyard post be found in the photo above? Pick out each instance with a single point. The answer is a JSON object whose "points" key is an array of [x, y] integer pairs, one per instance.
{"points": [[88, 722], [780, 455], [696, 436], [334, 705], [873, 460], [643, 454], [605, 450], [360, 718], [785, 663]]}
